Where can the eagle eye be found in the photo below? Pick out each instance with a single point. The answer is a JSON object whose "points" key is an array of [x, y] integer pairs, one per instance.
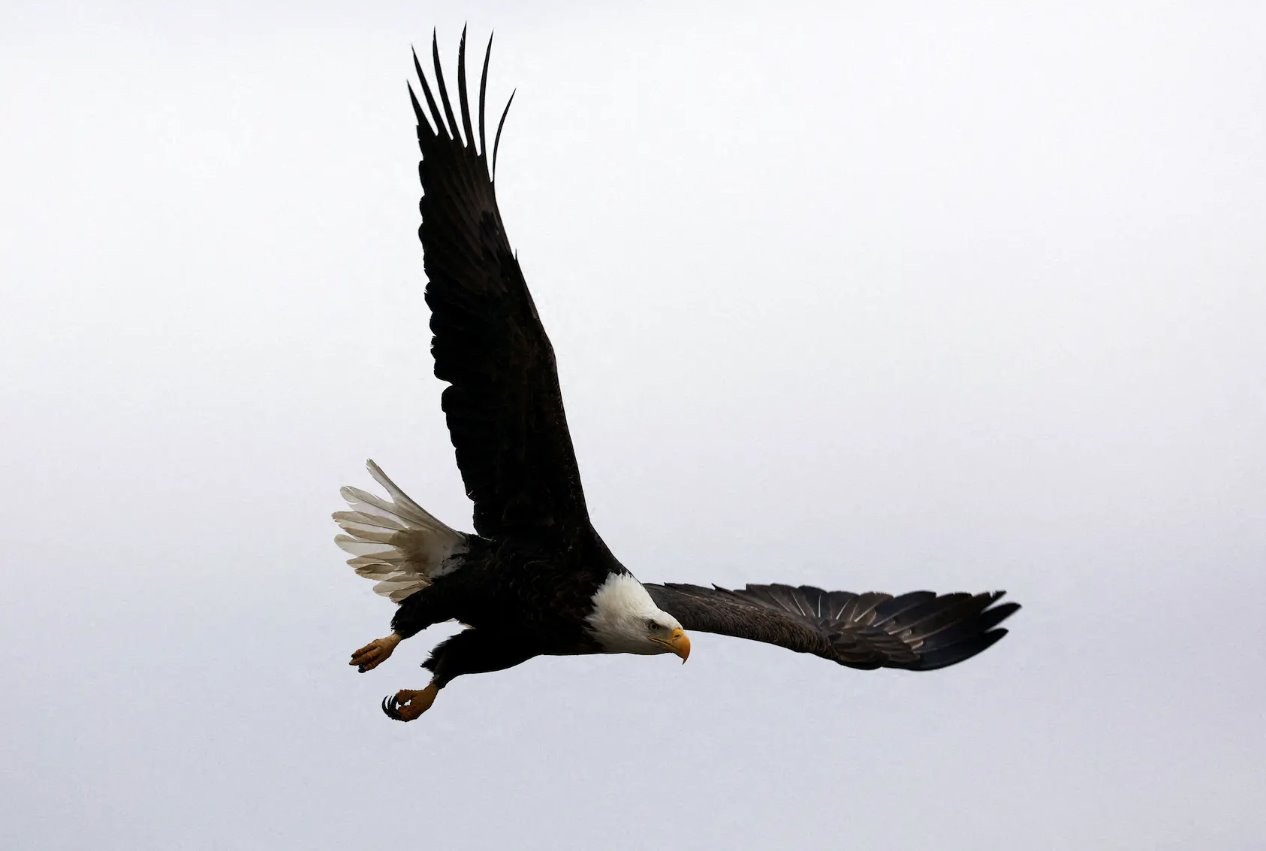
{"points": [[652, 625]]}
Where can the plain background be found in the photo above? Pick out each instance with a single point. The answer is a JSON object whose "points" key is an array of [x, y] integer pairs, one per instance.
{"points": [[870, 296]]}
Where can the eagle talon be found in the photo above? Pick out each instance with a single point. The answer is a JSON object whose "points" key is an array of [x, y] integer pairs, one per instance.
{"points": [[374, 653], [408, 705]]}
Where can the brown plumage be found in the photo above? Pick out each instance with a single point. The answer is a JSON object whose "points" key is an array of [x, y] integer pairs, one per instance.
{"points": [[918, 631], [504, 408]]}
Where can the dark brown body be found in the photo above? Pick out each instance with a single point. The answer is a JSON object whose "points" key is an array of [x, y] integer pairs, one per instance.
{"points": [[520, 598]]}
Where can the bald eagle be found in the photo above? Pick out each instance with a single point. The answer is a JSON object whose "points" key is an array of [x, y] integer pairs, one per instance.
{"points": [[535, 578]]}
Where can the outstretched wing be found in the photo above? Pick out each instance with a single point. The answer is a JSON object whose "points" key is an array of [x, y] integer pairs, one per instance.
{"points": [[503, 405], [919, 631]]}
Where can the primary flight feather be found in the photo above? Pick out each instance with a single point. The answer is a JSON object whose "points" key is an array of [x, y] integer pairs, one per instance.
{"points": [[535, 578]]}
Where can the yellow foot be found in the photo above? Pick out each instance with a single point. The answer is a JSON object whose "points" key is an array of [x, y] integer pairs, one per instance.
{"points": [[408, 705], [374, 653]]}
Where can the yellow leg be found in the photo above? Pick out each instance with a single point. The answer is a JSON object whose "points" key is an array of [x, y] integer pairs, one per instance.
{"points": [[374, 653], [408, 705]]}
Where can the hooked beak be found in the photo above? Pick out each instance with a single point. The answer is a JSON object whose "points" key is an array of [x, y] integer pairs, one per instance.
{"points": [[679, 642]]}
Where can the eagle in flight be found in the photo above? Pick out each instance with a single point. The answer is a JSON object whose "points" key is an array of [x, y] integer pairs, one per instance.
{"points": [[535, 578]]}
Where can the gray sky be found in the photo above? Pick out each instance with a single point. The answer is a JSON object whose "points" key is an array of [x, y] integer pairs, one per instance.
{"points": [[880, 296]]}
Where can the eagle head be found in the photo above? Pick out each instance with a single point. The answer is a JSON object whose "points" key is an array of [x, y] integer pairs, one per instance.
{"points": [[624, 619]]}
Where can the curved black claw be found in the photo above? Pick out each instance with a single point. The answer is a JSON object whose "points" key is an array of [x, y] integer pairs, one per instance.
{"points": [[389, 708]]}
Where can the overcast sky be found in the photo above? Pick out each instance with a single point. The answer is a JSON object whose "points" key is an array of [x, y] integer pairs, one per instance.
{"points": [[870, 296]]}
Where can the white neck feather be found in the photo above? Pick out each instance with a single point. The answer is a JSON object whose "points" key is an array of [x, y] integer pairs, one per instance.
{"points": [[621, 608]]}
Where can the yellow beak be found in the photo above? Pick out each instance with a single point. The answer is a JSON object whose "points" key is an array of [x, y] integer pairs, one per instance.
{"points": [[680, 644]]}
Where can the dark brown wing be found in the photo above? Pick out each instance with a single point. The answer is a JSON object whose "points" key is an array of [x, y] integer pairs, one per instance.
{"points": [[503, 405], [919, 631]]}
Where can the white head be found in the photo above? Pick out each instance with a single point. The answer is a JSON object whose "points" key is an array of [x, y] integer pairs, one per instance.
{"points": [[625, 619]]}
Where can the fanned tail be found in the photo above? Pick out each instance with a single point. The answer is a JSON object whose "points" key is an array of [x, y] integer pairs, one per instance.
{"points": [[396, 542]]}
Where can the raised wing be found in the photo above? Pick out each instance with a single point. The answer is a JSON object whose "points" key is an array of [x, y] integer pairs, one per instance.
{"points": [[919, 631], [503, 405]]}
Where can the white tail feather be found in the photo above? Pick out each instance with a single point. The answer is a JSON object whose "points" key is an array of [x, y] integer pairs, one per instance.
{"points": [[396, 543]]}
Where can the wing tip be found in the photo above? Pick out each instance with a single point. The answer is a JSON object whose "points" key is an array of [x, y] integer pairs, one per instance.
{"points": [[440, 120]]}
